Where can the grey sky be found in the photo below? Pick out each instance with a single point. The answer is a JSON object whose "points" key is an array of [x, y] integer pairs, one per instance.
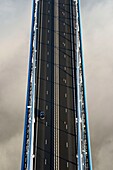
{"points": [[98, 49], [14, 43]]}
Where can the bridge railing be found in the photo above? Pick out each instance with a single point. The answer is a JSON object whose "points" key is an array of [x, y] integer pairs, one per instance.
{"points": [[27, 152], [84, 88]]}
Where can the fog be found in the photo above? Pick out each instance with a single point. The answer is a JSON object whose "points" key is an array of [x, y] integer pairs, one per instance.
{"points": [[98, 49], [97, 25]]}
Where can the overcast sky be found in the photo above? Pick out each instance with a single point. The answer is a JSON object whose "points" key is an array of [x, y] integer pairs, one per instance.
{"points": [[97, 21], [98, 50]]}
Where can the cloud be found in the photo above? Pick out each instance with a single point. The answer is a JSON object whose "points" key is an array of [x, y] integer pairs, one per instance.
{"points": [[10, 153], [98, 49], [105, 155], [14, 45]]}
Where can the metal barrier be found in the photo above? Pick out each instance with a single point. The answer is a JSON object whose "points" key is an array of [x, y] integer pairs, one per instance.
{"points": [[27, 152], [84, 86]]}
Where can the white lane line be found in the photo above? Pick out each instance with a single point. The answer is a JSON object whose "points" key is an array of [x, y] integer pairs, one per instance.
{"points": [[47, 107], [66, 127], [64, 56], [64, 123], [66, 110], [64, 33], [47, 92], [65, 95], [46, 123], [67, 144], [45, 161], [46, 141], [63, 13], [67, 164], [47, 65]]}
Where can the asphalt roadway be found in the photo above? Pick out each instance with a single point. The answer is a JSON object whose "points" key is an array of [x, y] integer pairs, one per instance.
{"points": [[45, 158], [67, 123], [45, 100]]}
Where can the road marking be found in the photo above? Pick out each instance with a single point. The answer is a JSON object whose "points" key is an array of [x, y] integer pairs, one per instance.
{"points": [[64, 33], [65, 95], [65, 68], [63, 13], [48, 20], [64, 56], [48, 31], [48, 41], [67, 164], [47, 52], [47, 78], [64, 122], [47, 65], [66, 127], [45, 141], [67, 144], [45, 161], [66, 110], [46, 123], [47, 107], [47, 92]]}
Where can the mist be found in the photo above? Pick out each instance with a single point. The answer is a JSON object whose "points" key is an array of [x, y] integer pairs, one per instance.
{"points": [[98, 52], [97, 28]]}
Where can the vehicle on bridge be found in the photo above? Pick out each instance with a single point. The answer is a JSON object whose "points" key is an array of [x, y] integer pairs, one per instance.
{"points": [[42, 115]]}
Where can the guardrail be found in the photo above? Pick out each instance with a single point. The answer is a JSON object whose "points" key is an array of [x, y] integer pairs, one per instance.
{"points": [[84, 86], [27, 152], [84, 160]]}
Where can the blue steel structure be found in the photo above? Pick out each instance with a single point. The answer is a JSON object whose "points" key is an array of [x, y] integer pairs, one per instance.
{"points": [[84, 159], [30, 100], [84, 94], [84, 85]]}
